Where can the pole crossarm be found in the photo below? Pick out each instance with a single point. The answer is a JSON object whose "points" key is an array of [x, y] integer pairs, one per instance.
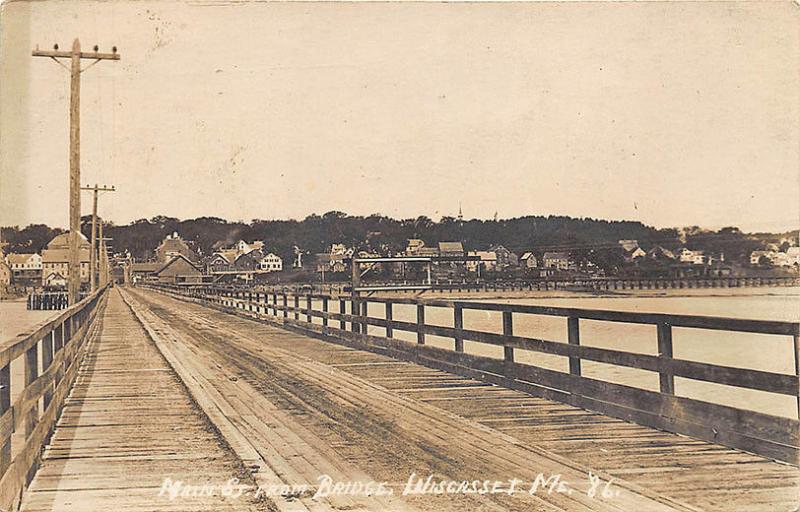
{"points": [[99, 189], [58, 54]]}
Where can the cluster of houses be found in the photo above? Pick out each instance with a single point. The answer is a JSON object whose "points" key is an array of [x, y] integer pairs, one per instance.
{"points": [[176, 261], [47, 270], [452, 256], [776, 258]]}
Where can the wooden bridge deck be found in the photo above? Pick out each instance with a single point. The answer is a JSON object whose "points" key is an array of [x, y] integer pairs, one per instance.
{"points": [[293, 407], [127, 424]]}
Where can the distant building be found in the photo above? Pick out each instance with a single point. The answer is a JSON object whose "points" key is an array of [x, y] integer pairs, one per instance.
{"points": [[271, 263], [427, 252], [451, 250], [755, 257], [528, 260], [331, 263], [414, 246], [248, 261], [659, 253], [179, 269], [341, 249], [786, 259], [174, 245], [793, 255], [55, 260], [634, 254], [556, 260], [504, 257], [694, 257], [5, 274], [487, 260], [243, 247], [217, 263], [143, 270], [25, 267], [628, 245]]}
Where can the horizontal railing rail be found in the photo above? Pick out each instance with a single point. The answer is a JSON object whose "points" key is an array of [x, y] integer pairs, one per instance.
{"points": [[50, 355], [773, 436], [537, 284]]}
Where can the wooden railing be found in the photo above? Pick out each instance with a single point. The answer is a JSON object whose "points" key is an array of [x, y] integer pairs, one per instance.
{"points": [[49, 356], [523, 285], [772, 436]]}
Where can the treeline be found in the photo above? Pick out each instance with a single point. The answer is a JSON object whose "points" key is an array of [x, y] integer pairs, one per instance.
{"points": [[315, 233]]}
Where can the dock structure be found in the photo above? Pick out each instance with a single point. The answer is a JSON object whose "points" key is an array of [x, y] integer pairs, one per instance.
{"points": [[291, 394]]}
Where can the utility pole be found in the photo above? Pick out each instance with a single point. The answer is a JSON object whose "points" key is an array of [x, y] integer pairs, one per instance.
{"points": [[93, 268], [103, 256], [75, 56]]}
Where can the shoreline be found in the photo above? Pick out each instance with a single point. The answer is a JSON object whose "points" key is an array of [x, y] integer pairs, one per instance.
{"points": [[788, 291]]}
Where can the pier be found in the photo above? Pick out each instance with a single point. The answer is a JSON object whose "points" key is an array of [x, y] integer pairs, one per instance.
{"points": [[135, 387]]}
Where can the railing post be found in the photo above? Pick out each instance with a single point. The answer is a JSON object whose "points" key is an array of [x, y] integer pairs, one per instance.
{"points": [[342, 311], [296, 306], [354, 310], [458, 325], [574, 338], [31, 373], [797, 366], [364, 315], [285, 305], [508, 330], [5, 405], [420, 324], [308, 309], [325, 315], [47, 360], [665, 378], [389, 332]]}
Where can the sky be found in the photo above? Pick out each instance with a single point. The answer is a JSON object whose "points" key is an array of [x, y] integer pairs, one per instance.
{"points": [[670, 113]]}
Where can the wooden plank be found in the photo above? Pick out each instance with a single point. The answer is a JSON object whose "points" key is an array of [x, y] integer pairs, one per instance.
{"points": [[768, 435]]}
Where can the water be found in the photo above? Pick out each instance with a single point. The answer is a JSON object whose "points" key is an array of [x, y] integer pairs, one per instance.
{"points": [[15, 318], [744, 350]]}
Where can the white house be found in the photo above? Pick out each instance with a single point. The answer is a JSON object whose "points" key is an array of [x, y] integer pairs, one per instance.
{"points": [[633, 254], [25, 261], [556, 260], [789, 258], [528, 260], [694, 257], [271, 263]]}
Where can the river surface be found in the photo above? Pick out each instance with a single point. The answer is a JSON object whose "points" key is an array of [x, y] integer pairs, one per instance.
{"points": [[15, 318], [744, 350]]}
